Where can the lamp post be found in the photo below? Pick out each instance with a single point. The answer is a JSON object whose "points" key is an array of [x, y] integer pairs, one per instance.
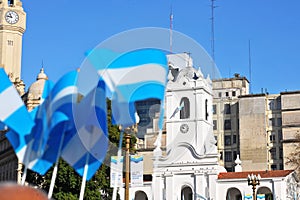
{"points": [[127, 165], [253, 180]]}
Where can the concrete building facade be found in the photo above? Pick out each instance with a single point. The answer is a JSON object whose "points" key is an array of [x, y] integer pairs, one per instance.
{"points": [[226, 94]]}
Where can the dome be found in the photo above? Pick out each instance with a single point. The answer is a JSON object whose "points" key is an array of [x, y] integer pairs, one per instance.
{"points": [[42, 75], [35, 91]]}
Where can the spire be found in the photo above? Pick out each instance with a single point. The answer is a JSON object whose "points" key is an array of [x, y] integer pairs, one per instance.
{"points": [[42, 75], [238, 162], [171, 30]]}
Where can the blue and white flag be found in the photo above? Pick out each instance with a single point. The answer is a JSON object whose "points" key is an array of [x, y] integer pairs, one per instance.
{"points": [[22, 143], [179, 108], [131, 77], [54, 117], [89, 143], [13, 112]]}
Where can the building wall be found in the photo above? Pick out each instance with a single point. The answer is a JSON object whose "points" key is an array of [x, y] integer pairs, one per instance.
{"points": [[226, 117], [253, 138], [290, 123]]}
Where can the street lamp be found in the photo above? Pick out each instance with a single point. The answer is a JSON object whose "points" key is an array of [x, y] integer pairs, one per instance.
{"points": [[254, 181]]}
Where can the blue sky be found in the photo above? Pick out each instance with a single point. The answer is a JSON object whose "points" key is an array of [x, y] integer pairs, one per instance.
{"points": [[59, 32]]}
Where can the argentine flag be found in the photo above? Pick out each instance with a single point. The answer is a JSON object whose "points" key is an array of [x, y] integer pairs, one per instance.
{"points": [[87, 146], [22, 143], [13, 112], [130, 77], [54, 117]]}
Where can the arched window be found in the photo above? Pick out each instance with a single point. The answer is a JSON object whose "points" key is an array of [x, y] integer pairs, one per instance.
{"points": [[186, 193], [206, 109], [140, 195], [185, 110], [233, 194], [266, 191]]}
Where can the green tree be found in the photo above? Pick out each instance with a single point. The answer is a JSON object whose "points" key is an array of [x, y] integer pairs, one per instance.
{"points": [[68, 182]]}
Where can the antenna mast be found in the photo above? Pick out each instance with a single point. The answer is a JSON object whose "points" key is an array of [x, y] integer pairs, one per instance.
{"points": [[212, 29], [250, 71], [171, 30]]}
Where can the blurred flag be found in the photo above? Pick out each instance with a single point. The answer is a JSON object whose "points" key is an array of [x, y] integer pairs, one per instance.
{"points": [[54, 117], [13, 112], [260, 196], [22, 143], [179, 108], [131, 77], [89, 142]]}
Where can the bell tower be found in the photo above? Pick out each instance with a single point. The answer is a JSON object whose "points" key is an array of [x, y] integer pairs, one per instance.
{"points": [[189, 167], [12, 27]]}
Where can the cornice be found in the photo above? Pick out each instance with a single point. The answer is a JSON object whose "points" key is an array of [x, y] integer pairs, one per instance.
{"points": [[12, 28]]}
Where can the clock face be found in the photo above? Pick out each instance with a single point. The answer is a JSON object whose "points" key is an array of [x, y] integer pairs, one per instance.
{"points": [[184, 128], [11, 17]]}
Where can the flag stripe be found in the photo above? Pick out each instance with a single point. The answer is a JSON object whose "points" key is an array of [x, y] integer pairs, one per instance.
{"points": [[131, 75], [11, 100], [138, 58]]}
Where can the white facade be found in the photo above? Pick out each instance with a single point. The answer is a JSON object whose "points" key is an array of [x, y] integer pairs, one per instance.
{"points": [[189, 168]]}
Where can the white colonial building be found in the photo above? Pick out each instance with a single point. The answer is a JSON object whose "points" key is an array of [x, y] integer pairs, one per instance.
{"points": [[188, 169]]}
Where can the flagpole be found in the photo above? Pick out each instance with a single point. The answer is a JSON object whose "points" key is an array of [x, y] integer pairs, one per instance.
{"points": [[86, 166], [26, 162], [54, 173], [114, 197], [83, 183]]}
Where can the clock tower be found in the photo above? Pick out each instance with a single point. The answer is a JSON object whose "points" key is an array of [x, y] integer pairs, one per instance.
{"points": [[12, 27]]}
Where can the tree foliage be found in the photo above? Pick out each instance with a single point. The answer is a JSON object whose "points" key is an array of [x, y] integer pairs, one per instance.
{"points": [[293, 159], [68, 182]]}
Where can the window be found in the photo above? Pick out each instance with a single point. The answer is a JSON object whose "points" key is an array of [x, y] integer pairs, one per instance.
{"points": [[227, 94], [228, 156], [227, 139], [227, 124], [10, 2], [271, 122], [279, 135], [273, 167], [234, 139], [273, 153], [234, 155], [185, 111], [215, 125], [233, 93], [278, 100], [272, 137], [216, 139], [227, 109], [220, 94], [214, 109], [279, 121], [281, 153], [272, 104]]}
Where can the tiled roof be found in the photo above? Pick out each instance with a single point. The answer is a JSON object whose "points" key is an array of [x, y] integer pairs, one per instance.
{"points": [[263, 174]]}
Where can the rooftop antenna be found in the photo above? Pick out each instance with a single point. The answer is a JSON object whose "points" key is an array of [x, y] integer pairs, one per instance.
{"points": [[213, 29], [213, 37], [171, 29], [250, 70]]}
